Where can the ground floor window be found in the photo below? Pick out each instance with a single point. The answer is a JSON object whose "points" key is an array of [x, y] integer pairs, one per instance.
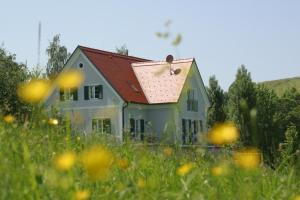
{"points": [[190, 129], [137, 127], [102, 126]]}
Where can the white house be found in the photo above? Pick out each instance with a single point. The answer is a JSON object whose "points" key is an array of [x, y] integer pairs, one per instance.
{"points": [[124, 94]]}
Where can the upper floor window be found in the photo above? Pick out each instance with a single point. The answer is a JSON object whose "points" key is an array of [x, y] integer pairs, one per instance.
{"points": [[192, 102], [68, 94], [93, 92]]}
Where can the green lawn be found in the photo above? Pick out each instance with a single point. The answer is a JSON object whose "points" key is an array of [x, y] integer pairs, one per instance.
{"points": [[27, 171]]}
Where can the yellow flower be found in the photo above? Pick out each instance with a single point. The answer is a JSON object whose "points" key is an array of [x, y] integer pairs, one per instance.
{"points": [[141, 183], [297, 197], [78, 138], [123, 163], [65, 161], [53, 121], [70, 79], [219, 170], [225, 133], [9, 118], [184, 169], [82, 195], [249, 158], [97, 161], [168, 151], [34, 91]]}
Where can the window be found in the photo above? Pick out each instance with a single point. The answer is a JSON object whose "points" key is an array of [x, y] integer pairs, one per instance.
{"points": [[102, 126], [93, 92], [132, 125], [80, 65], [201, 125], [195, 124], [183, 131], [142, 125], [192, 103], [68, 94]]}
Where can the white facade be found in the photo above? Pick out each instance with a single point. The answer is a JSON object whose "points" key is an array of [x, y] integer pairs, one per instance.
{"points": [[155, 121]]}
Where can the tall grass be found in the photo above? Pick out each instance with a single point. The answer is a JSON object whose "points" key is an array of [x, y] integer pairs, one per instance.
{"points": [[27, 170]]}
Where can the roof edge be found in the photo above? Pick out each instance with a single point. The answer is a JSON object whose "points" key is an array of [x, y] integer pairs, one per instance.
{"points": [[111, 53]]}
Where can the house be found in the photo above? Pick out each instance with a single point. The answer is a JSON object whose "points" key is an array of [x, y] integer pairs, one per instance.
{"points": [[129, 95]]}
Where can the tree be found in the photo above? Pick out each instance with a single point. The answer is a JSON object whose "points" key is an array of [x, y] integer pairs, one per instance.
{"points": [[11, 75], [122, 50], [241, 101], [57, 57], [216, 113], [264, 127]]}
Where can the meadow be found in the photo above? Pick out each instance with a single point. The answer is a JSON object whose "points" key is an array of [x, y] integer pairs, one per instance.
{"points": [[44, 161]]}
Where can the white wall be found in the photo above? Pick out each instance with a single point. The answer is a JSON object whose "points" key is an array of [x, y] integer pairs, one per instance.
{"points": [[84, 111]]}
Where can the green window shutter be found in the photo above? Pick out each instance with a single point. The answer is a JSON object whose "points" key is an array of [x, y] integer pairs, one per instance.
{"points": [[86, 93], [61, 95], [75, 94], [99, 92]]}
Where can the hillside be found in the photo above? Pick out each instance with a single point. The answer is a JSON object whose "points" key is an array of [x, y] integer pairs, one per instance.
{"points": [[279, 86]]}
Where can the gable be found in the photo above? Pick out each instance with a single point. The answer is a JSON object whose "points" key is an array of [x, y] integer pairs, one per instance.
{"points": [[92, 78], [159, 82], [117, 70]]}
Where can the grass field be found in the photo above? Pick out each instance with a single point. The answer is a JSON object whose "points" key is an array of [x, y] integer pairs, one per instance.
{"points": [[47, 163], [280, 86]]}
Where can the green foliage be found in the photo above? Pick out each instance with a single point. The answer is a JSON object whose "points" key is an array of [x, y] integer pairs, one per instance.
{"points": [[122, 50], [216, 112], [57, 57], [289, 147], [241, 100], [265, 129], [11, 75], [280, 86], [27, 171]]}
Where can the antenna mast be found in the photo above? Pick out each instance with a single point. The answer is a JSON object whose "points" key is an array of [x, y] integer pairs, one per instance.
{"points": [[39, 45]]}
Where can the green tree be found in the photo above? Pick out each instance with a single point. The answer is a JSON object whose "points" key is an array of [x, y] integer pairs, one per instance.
{"points": [[216, 96], [289, 146], [241, 101], [122, 50], [57, 57], [11, 75], [264, 127]]}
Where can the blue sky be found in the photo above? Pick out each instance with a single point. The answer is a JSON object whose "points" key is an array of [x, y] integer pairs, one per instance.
{"points": [[221, 35]]}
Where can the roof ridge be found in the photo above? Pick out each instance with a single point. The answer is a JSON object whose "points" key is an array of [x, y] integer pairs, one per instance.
{"points": [[112, 53], [162, 62]]}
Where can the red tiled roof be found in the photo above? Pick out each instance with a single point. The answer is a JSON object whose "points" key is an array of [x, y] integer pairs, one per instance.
{"points": [[118, 72]]}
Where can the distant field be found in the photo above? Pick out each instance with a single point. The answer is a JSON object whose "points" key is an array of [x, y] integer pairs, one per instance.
{"points": [[279, 86]]}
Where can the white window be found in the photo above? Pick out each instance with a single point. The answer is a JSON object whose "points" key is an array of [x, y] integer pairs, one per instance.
{"points": [[68, 94], [102, 126], [93, 92], [192, 102]]}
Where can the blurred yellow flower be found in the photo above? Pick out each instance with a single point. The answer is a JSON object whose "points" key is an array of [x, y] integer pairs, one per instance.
{"points": [[123, 163], [184, 169], [248, 158], [297, 197], [34, 91], [219, 170], [97, 161], [78, 138], [168, 151], [65, 161], [70, 79], [224, 133], [9, 118], [82, 195], [141, 183], [53, 121]]}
